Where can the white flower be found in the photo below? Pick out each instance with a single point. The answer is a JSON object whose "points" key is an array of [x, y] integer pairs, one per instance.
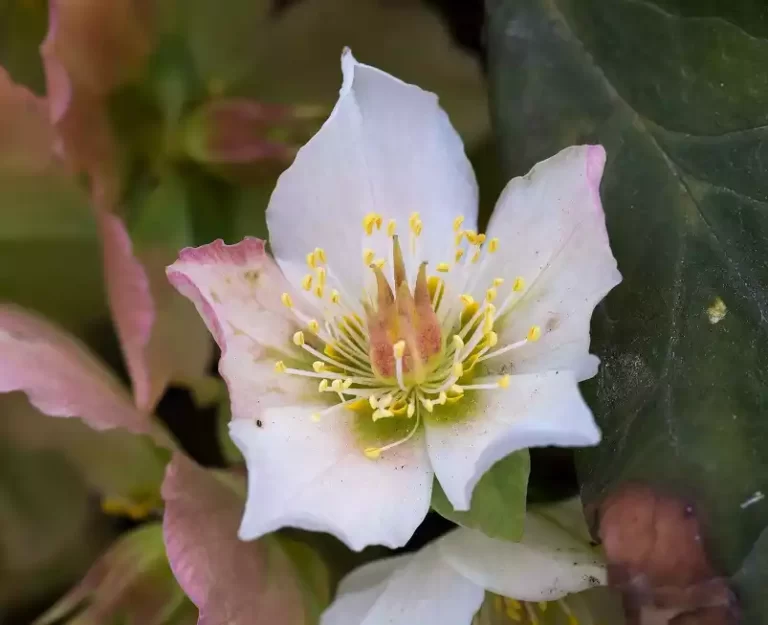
{"points": [[466, 577], [389, 341]]}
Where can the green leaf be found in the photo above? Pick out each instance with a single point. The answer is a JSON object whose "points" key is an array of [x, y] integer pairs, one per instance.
{"points": [[751, 581], [679, 104], [498, 501], [160, 216]]}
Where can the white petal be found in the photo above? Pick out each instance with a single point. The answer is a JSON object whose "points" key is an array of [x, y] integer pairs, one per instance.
{"points": [[552, 231], [547, 564], [408, 590], [315, 476], [534, 411], [387, 148]]}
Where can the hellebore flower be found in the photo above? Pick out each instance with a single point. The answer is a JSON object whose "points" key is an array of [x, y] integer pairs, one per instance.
{"points": [[389, 341], [466, 577]]}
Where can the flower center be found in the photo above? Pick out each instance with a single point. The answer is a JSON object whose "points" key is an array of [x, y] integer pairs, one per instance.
{"points": [[498, 610], [411, 342]]}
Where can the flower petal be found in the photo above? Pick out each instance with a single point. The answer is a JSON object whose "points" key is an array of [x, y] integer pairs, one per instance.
{"points": [[230, 582], [387, 148], [534, 411], [315, 476], [547, 564], [405, 590], [61, 378], [552, 231]]}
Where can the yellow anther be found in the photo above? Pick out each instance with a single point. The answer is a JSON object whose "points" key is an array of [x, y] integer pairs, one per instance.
{"points": [[318, 366], [373, 402], [336, 386], [385, 401], [490, 295], [280, 366], [442, 398], [459, 254], [371, 221], [321, 275], [429, 405], [493, 339], [391, 227], [319, 254], [414, 220], [457, 370], [306, 282], [488, 319], [368, 256], [335, 296], [467, 299], [497, 282], [287, 301], [372, 452], [493, 245], [504, 381], [313, 326], [323, 386], [475, 257], [443, 267], [518, 285], [319, 290], [534, 334], [346, 384], [471, 236], [298, 338], [378, 263], [480, 239], [459, 236], [457, 390], [458, 342], [543, 606], [457, 223], [382, 413], [411, 410], [399, 349], [311, 260], [315, 416]]}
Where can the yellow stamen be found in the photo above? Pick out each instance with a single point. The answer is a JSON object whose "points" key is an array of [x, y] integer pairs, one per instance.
{"points": [[518, 285], [371, 221], [368, 255], [391, 227], [467, 299], [306, 282], [379, 263], [311, 260], [298, 338], [335, 296], [497, 282], [280, 366], [458, 342], [457, 223], [471, 236], [319, 254], [372, 452], [534, 334], [415, 224], [323, 386], [457, 390], [493, 339], [443, 267], [493, 245], [321, 274], [399, 349], [490, 294], [318, 366], [313, 326], [459, 254], [411, 409], [459, 236], [319, 290], [457, 370], [287, 301], [475, 257]]}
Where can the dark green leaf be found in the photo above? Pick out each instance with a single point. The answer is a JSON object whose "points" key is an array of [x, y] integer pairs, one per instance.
{"points": [[498, 501], [680, 105]]}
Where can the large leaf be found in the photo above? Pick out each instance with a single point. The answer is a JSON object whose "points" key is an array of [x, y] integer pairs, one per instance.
{"points": [[679, 102], [498, 501]]}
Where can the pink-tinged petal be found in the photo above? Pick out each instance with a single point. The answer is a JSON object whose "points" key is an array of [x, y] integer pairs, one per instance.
{"points": [[534, 411], [313, 475], [26, 135], [229, 581], [91, 48], [551, 227], [61, 378], [386, 148], [161, 336]]}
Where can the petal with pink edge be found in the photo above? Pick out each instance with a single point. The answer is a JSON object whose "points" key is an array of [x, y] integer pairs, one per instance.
{"points": [[61, 378], [552, 231], [534, 411], [229, 581]]}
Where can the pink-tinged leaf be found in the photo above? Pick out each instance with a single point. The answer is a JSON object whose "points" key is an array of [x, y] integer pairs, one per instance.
{"points": [[63, 379], [160, 333], [231, 582], [26, 135]]}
